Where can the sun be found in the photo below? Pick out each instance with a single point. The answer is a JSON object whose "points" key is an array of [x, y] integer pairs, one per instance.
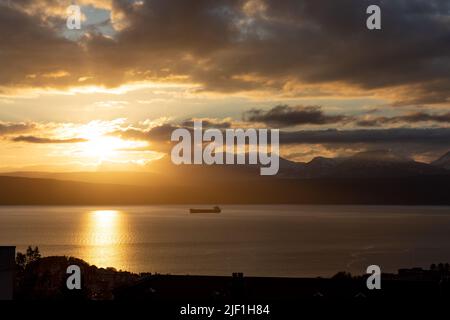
{"points": [[102, 147]]}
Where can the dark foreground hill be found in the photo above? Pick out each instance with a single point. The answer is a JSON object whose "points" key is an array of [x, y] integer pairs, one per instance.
{"points": [[418, 190], [45, 279]]}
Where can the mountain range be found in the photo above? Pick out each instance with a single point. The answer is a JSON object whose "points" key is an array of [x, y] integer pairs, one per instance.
{"points": [[369, 164], [373, 177]]}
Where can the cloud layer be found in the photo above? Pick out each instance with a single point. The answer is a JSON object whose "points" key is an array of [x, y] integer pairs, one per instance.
{"points": [[297, 144], [239, 45], [33, 139], [285, 116]]}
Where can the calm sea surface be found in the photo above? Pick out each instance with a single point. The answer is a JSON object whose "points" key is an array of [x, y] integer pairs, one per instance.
{"points": [[256, 240]]}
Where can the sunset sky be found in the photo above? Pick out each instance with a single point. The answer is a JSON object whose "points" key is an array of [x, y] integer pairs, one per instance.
{"points": [[112, 92]]}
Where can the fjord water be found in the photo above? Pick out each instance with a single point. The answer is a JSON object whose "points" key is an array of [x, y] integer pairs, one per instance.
{"points": [[257, 240]]}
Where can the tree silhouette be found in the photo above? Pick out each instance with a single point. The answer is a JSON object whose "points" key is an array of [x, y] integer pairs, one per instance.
{"points": [[22, 260], [32, 254]]}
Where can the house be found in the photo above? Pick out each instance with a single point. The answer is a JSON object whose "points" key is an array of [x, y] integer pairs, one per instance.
{"points": [[7, 266]]}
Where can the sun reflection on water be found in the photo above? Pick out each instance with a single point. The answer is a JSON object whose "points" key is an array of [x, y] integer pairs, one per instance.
{"points": [[104, 230]]}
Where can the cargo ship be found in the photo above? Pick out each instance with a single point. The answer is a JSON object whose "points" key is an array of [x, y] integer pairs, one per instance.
{"points": [[215, 209]]}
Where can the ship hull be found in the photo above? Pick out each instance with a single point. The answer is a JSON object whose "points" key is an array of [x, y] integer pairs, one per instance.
{"points": [[204, 210]]}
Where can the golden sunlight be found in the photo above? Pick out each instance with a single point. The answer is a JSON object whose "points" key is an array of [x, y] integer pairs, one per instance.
{"points": [[105, 222], [104, 232], [101, 146]]}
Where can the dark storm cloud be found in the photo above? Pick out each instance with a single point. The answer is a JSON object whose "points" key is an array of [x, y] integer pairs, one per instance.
{"points": [[161, 133], [240, 45], [438, 136], [158, 137], [426, 144], [433, 136], [208, 123], [33, 139], [285, 116], [156, 134], [410, 118], [31, 51], [408, 141], [11, 128]]}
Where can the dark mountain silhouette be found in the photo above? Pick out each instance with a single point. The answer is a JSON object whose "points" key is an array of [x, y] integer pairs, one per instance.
{"points": [[370, 164], [376, 164], [443, 162], [375, 177], [106, 177], [420, 190]]}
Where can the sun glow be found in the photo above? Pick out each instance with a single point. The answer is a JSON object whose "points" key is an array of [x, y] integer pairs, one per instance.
{"points": [[102, 146], [104, 221]]}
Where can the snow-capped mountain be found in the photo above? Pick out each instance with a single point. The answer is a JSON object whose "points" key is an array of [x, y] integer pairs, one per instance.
{"points": [[368, 164]]}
